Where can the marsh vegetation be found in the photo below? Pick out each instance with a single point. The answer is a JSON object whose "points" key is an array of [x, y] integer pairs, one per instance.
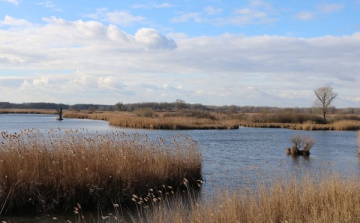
{"points": [[58, 169]]}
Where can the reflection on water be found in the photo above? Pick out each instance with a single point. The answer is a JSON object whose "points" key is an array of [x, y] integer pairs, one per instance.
{"points": [[231, 158]]}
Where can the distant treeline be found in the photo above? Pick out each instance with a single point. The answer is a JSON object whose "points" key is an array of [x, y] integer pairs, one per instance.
{"points": [[175, 106]]}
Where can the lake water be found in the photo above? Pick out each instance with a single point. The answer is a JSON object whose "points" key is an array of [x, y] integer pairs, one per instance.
{"points": [[230, 157]]}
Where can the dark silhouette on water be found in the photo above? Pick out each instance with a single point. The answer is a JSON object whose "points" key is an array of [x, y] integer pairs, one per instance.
{"points": [[59, 111]]}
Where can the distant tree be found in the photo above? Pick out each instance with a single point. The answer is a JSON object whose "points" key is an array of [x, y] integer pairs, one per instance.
{"points": [[119, 106], [179, 104], [324, 97]]}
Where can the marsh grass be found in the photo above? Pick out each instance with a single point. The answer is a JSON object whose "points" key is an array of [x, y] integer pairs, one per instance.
{"points": [[350, 125], [327, 198], [130, 120], [358, 137], [312, 197], [27, 111], [58, 169]]}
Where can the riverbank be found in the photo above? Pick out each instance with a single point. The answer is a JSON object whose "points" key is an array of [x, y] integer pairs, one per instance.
{"points": [[149, 119], [211, 121], [341, 125]]}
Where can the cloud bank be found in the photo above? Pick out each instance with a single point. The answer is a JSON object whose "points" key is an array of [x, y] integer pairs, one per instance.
{"points": [[89, 62]]}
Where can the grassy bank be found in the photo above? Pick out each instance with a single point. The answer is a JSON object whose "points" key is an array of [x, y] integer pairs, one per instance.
{"points": [[27, 111], [358, 136], [157, 120], [58, 169], [192, 119], [340, 125]]}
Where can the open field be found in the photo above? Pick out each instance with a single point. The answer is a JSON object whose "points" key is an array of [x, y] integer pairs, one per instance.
{"points": [[59, 169]]}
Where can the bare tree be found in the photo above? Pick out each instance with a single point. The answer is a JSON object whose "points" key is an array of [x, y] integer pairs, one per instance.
{"points": [[180, 104], [324, 97]]}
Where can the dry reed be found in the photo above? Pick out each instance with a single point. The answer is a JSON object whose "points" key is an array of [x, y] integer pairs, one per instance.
{"points": [[358, 136], [61, 168], [27, 111], [130, 120], [350, 125], [306, 199]]}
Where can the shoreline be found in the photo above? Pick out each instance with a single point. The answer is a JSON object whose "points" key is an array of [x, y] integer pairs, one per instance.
{"points": [[161, 121]]}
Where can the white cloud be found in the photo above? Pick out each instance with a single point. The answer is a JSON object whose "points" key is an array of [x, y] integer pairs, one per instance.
{"points": [[123, 18], [330, 8], [153, 5], [212, 10], [49, 4], [43, 81], [323, 8], [260, 4], [186, 17], [305, 15], [110, 82], [88, 61], [239, 16], [10, 21], [152, 38], [15, 2], [246, 16]]}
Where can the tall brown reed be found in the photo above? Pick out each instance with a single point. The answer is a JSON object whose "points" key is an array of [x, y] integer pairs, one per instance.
{"points": [[130, 120], [305, 199], [62, 168], [337, 125], [358, 136]]}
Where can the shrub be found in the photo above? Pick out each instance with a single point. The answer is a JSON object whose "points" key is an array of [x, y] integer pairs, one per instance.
{"points": [[302, 145], [145, 112]]}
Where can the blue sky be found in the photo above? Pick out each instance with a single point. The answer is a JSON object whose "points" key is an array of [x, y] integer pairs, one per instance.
{"points": [[254, 52]]}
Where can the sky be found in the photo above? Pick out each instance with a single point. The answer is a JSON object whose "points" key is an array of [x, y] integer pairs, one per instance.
{"points": [[214, 52]]}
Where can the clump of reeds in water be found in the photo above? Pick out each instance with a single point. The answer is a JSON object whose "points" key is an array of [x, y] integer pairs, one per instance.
{"points": [[301, 145], [58, 169]]}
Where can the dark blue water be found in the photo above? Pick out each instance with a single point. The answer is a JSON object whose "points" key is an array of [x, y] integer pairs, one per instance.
{"points": [[231, 158]]}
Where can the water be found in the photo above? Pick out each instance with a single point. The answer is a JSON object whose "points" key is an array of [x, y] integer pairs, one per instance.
{"points": [[231, 158]]}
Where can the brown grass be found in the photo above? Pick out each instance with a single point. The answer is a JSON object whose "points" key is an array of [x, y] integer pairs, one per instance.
{"points": [[358, 136], [130, 120], [337, 125], [309, 199], [59, 169], [27, 111]]}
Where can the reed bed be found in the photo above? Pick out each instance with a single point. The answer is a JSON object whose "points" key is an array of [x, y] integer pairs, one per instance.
{"points": [[59, 169], [358, 136], [130, 120], [349, 125], [305, 199], [27, 111]]}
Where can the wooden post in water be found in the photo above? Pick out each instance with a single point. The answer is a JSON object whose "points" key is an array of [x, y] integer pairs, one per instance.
{"points": [[59, 111]]}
